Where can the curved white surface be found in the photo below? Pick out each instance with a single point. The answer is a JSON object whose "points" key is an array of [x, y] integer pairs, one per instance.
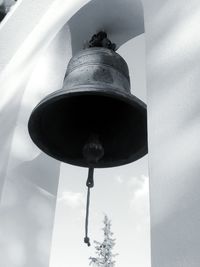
{"points": [[173, 96], [122, 20], [19, 58], [29, 179]]}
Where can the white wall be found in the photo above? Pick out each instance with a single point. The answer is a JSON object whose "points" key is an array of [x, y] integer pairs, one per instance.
{"points": [[31, 181], [173, 56], [28, 178], [25, 10], [19, 55]]}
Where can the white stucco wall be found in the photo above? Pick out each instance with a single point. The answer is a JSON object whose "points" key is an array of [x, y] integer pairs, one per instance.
{"points": [[18, 58], [173, 56], [31, 180], [31, 67]]}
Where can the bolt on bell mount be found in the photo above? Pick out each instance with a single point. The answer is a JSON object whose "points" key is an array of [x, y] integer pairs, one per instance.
{"points": [[93, 121]]}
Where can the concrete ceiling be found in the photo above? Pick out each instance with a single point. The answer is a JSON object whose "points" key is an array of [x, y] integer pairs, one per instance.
{"points": [[121, 19]]}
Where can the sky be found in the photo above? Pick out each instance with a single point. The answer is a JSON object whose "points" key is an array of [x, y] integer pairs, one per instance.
{"points": [[122, 193]]}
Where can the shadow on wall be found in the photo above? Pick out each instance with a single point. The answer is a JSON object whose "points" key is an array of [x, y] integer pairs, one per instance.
{"points": [[28, 198], [173, 69], [27, 214], [43, 172], [176, 238], [6, 135]]}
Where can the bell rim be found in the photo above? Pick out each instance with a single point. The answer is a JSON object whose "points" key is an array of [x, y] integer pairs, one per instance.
{"points": [[113, 93], [128, 96]]}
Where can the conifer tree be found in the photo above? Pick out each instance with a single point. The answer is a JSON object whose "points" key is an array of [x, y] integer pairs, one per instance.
{"points": [[104, 255]]}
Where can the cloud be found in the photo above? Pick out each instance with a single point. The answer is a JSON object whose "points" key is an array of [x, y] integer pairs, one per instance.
{"points": [[72, 199], [118, 179], [139, 185], [139, 202]]}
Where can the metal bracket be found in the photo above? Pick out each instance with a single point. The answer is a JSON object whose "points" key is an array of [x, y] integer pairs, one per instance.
{"points": [[100, 40]]}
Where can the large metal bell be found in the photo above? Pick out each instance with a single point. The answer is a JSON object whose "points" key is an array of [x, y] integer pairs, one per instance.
{"points": [[94, 103]]}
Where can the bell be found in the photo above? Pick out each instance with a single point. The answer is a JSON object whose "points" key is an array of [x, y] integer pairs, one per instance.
{"points": [[93, 121], [95, 103]]}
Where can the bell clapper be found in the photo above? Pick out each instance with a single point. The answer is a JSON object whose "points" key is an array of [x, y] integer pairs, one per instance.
{"points": [[92, 151], [89, 184]]}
